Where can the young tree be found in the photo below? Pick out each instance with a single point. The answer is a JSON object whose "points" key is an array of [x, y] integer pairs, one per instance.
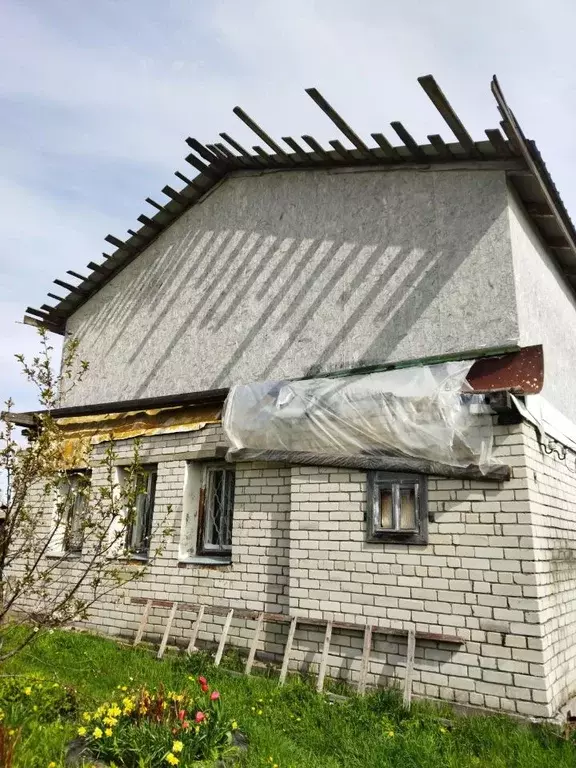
{"points": [[63, 542]]}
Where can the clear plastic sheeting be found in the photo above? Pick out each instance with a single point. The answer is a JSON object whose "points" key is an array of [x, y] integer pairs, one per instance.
{"points": [[424, 412]]}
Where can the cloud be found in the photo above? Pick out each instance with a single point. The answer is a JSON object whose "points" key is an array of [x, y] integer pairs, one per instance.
{"points": [[96, 100]]}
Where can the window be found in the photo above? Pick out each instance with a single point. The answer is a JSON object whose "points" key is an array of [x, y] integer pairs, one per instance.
{"points": [[397, 508], [140, 528], [215, 511], [72, 506]]}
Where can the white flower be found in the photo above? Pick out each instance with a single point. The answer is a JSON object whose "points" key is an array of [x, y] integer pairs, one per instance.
{"points": [[36, 629]]}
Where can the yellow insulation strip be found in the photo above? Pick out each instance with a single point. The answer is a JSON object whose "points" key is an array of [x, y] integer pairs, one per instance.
{"points": [[82, 432]]}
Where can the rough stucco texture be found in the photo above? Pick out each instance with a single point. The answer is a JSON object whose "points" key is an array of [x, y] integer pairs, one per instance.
{"points": [[287, 274], [546, 311]]}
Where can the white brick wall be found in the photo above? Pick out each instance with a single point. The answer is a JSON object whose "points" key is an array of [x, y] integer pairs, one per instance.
{"points": [[498, 571]]}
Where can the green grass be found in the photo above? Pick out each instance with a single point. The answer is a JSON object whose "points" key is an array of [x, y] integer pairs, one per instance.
{"points": [[291, 727]]}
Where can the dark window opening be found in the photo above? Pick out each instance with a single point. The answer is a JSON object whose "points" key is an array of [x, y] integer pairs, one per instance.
{"points": [[215, 511], [140, 528], [397, 508]]}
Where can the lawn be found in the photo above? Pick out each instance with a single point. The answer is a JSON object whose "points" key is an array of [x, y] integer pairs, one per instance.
{"points": [[289, 727]]}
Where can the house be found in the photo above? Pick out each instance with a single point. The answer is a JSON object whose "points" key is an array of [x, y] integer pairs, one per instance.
{"points": [[410, 468]]}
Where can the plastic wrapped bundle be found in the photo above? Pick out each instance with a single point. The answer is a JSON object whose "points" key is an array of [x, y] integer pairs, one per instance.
{"points": [[422, 412]]}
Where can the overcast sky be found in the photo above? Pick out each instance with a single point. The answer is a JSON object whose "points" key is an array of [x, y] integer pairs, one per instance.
{"points": [[96, 99]]}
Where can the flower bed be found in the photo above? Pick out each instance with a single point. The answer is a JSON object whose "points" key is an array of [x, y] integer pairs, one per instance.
{"points": [[158, 728]]}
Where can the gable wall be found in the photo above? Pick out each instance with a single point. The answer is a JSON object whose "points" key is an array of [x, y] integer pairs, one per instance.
{"points": [[284, 274]]}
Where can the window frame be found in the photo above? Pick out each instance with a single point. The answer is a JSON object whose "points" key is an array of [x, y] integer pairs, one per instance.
{"points": [[377, 481], [202, 548], [73, 510], [141, 549]]}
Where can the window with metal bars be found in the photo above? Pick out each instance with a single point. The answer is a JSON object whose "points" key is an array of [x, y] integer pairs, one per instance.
{"points": [[397, 508], [139, 530], [74, 490], [215, 513]]}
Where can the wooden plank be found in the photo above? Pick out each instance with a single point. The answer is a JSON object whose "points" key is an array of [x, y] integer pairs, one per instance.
{"points": [[317, 148], [255, 639], [250, 159], [247, 120], [223, 637], [440, 146], [103, 270], [324, 659], [195, 629], [288, 650], [164, 642], [56, 298], [498, 142], [154, 204], [268, 160], [71, 288], [386, 147], [143, 622], [437, 97], [560, 243], [77, 275], [411, 144], [341, 150], [410, 650], [539, 210], [338, 121], [39, 313], [207, 170], [365, 659], [203, 151], [148, 222], [120, 244], [174, 195], [300, 151]]}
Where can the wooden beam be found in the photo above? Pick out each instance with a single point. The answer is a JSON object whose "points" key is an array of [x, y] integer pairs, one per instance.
{"points": [[205, 153], [317, 148], [166, 635], [71, 288], [440, 146], [154, 204], [224, 635], [101, 268], [338, 121], [120, 244], [413, 147], [558, 243], [386, 147], [56, 298], [410, 651], [268, 159], [341, 150], [207, 170], [195, 629], [288, 650], [143, 622], [247, 120], [539, 210], [437, 97], [367, 647], [498, 142], [300, 151], [37, 312], [148, 222], [174, 195], [254, 645], [77, 275], [324, 658], [244, 152]]}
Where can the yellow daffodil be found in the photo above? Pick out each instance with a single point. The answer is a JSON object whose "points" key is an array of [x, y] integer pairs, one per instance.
{"points": [[28, 691], [86, 716], [442, 729], [177, 746], [234, 725], [82, 731], [390, 733], [259, 711], [114, 711], [97, 733], [108, 732], [52, 764], [172, 759]]}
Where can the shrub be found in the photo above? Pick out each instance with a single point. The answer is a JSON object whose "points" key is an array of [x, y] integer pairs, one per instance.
{"points": [[158, 728], [25, 696]]}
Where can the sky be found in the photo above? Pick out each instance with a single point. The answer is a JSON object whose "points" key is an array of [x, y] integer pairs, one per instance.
{"points": [[97, 98]]}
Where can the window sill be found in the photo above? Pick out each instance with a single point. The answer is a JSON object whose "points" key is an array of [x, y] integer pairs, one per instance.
{"points": [[54, 555], [205, 560]]}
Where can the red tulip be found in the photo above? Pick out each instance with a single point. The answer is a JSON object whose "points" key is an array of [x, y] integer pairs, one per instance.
{"points": [[204, 688], [181, 714], [202, 680], [214, 695], [185, 724], [199, 717]]}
